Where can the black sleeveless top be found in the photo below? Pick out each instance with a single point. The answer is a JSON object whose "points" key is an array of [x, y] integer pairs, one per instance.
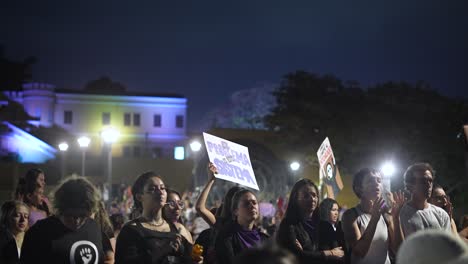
{"points": [[137, 244]]}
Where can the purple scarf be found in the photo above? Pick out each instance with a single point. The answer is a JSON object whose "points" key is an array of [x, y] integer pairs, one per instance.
{"points": [[310, 226], [249, 238]]}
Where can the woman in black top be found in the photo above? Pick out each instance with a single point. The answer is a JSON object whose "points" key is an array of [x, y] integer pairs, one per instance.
{"points": [[149, 238], [13, 225], [298, 231], [71, 236], [240, 234], [330, 233]]}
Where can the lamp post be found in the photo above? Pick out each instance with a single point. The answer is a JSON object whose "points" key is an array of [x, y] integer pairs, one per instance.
{"points": [[84, 143], [63, 147], [110, 136], [387, 169], [195, 147]]}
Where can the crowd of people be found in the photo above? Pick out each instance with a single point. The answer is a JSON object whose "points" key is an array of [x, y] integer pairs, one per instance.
{"points": [[411, 226]]}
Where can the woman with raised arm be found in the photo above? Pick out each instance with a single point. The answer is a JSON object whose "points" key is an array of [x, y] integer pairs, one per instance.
{"points": [[149, 238]]}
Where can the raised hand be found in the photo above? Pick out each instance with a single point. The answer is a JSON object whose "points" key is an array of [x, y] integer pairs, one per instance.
{"points": [[378, 207], [212, 170], [397, 202]]}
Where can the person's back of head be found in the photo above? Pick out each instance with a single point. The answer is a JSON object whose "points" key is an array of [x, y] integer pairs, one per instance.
{"points": [[266, 255], [431, 246]]}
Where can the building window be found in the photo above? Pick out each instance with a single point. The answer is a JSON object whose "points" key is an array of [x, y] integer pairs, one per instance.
{"points": [[67, 117], [157, 120], [127, 119], [157, 152], [179, 153], [136, 151], [180, 121], [106, 118], [127, 151], [136, 119]]}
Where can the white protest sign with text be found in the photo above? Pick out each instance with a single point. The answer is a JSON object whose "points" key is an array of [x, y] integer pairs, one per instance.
{"points": [[232, 161]]}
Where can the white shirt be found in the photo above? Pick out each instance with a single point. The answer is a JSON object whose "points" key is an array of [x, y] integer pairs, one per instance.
{"points": [[412, 219], [378, 250]]}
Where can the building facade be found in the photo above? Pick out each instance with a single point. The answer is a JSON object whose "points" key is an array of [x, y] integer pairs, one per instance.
{"points": [[149, 125]]}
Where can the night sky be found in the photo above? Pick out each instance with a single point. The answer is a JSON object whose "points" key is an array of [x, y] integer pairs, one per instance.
{"points": [[206, 50]]}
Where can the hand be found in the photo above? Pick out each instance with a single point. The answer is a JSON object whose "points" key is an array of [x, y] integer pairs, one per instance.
{"points": [[337, 252], [212, 170], [175, 243], [298, 245], [398, 200], [377, 208], [199, 261], [109, 258]]}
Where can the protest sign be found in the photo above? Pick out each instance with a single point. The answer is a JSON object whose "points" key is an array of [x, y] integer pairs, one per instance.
{"points": [[329, 173], [231, 159]]}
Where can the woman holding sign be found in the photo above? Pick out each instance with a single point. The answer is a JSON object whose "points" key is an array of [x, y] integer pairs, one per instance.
{"points": [[299, 229], [240, 234]]}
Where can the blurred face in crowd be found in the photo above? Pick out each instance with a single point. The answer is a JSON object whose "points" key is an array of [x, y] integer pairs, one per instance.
{"points": [[154, 194], [439, 198], [333, 214], [307, 198], [422, 185], [247, 209], [36, 197], [372, 186], [74, 218], [173, 208], [41, 180], [19, 220]]}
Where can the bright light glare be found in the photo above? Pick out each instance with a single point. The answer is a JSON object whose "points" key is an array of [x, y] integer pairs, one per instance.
{"points": [[295, 165], [179, 153], [84, 142], [63, 146], [110, 135], [195, 146], [388, 168]]}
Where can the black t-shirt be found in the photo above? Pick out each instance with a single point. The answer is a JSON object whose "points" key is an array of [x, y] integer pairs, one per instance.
{"points": [[49, 241]]}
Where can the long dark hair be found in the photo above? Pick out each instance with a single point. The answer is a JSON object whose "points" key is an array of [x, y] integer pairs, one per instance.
{"points": [[169, 192], [325, 207], [293, 212], [226, 212], [137, 189]]}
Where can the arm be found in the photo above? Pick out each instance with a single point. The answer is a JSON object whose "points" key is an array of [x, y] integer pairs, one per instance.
{"points": [[360, 243], [395, 232], [200, 206], [287, 237], [184, 232]]}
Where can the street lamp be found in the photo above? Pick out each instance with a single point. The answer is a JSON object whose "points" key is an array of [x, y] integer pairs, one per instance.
{"points": [[295, 166], [387, 169], [110, 136], [195, 146], [84, 143], [63, 147]]}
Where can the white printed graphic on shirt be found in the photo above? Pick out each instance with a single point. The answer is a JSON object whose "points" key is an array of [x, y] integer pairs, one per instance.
{"points": [[83, 252]]}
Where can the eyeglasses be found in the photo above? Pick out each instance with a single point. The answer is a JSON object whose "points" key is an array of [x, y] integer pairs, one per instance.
{"points": [[173, 204]]}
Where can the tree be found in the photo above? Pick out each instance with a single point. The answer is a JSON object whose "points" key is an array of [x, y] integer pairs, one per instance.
{"points": [[105, 84], [12, 73], [394, 120], [246, 109]]}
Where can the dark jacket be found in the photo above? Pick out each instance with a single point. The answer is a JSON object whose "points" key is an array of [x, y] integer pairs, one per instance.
{"points": [[290, 231], [229, 245], [328, 237], [8, 249]]}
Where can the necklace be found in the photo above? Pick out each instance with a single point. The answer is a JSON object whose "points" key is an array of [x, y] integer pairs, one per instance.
{"points": [[151, 223]]}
